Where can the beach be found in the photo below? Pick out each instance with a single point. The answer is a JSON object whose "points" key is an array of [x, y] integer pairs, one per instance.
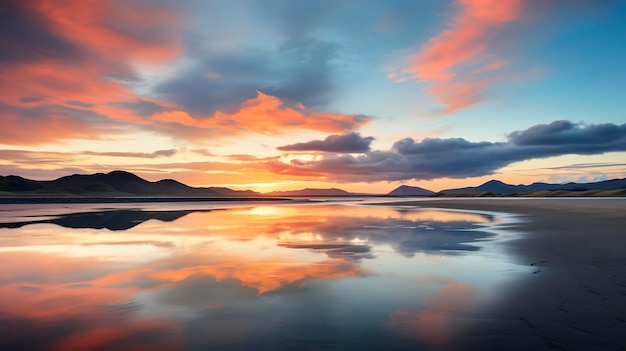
{"points": [[574, 297]]}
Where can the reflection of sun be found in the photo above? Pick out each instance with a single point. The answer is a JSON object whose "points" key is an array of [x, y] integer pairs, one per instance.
{"points": [[267, 211]]}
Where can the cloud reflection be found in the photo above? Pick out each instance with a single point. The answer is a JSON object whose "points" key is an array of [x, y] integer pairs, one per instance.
{"points": [[110, 219], [435, 324], [53, 297], [118, 279]]}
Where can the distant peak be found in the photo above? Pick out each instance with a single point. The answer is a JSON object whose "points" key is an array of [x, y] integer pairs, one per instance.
{"points": [[123, 174], [494, 181], [168, 180], [119, 172], [408, 190]]}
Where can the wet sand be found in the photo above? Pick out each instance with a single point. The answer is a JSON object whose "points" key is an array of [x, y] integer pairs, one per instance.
{"points": [[574, 297]]}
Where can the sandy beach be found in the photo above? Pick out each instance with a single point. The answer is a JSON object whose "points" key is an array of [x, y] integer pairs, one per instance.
{"points": [[575, 296]]}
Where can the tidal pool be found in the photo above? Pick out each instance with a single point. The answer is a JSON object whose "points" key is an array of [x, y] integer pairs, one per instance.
{"points": [[249, 276]]}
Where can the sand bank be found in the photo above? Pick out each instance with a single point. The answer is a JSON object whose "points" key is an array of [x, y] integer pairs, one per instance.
{"points": [[574, 298]]}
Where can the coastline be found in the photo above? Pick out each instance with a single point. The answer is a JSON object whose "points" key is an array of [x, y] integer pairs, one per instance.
{"points": [[574, 300]]}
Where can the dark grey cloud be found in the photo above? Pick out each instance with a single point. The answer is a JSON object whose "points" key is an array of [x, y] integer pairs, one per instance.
{"points": [[158, 153], [219, 82], [300, 70], [345, 143], [459, 158], [567, 133]]}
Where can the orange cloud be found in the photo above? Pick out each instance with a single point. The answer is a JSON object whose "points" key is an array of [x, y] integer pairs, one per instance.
{"points": [[266, 114], [264, 275], [465, 43], [103, 34], [92, 50], [66, 89], [116, 29], [38, 305]]}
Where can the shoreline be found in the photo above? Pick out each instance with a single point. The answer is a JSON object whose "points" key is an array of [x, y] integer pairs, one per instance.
{"points": [[574, 300]]}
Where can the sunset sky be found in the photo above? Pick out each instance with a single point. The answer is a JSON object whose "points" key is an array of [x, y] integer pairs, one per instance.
{"points": [[267, 95]]}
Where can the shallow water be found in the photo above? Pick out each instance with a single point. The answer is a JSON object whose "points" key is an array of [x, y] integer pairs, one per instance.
{"points": [[248, 276]]}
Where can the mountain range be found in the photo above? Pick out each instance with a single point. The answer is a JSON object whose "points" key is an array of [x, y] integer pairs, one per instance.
{"points": [[125, 184], [113, 184], [498, 187]]}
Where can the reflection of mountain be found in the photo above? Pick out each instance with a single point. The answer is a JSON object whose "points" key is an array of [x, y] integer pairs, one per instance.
{"points": [[112, 220]]}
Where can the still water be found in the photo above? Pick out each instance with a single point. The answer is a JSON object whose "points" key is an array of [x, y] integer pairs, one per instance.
{"points": [[341, 276]]}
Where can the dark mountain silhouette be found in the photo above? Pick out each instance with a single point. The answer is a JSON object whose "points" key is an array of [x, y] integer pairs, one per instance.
{"points": [[121, 184], [18, 184], [230, 192], [126, 184], [406, 190], [113, 184], [498, 187], [311, 192]]}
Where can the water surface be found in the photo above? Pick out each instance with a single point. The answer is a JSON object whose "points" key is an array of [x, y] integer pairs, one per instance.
{"points": [[244, 276]]}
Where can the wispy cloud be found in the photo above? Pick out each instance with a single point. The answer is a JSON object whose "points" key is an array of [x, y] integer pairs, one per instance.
{"points": [[594, 165], [457, 64], [158, 153]]}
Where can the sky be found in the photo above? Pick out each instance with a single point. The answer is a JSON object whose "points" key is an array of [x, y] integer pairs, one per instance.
{"points": [[363, 95]]}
